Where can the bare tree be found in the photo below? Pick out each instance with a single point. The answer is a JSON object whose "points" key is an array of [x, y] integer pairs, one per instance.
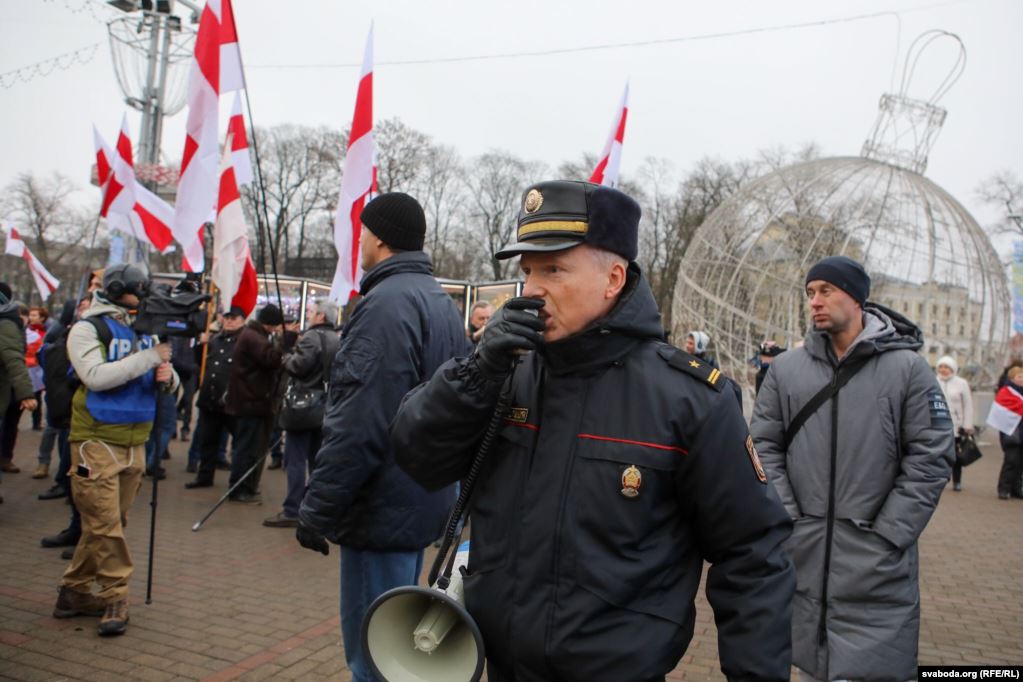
{"points": [[495, 182], [402, 154], [672, 213], [301, 175], [1004, 190], [439, 188], [56, 230]]}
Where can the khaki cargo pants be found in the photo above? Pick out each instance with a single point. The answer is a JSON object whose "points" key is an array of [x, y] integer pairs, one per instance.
{"points": [[103, 498]]}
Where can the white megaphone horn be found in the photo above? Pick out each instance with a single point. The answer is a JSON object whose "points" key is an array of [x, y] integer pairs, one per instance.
{"points": [[424, 634]]}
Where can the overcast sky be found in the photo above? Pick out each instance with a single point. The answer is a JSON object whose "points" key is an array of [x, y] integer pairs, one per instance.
{"points": [[724, 97]]}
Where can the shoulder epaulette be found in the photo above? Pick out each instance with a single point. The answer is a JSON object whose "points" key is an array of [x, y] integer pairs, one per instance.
{"points": [[692, 365]]}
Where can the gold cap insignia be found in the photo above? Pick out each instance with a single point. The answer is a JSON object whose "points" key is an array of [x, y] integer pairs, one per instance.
{"points": [[632, 479], [534, 200]]}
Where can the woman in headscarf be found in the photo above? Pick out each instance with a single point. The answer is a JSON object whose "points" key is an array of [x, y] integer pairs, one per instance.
{"points": [[960, 404]]}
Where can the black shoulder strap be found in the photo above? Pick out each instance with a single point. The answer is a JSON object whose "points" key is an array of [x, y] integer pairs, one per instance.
{"points": [[840, 379], [692, 365], [102, 330]]}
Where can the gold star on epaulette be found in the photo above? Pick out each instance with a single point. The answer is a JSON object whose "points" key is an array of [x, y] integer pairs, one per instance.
{"points": [[694, 364]]}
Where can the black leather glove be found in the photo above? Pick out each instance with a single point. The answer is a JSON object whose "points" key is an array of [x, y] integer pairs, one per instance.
{"points": [[514, 328], [310, 539]]}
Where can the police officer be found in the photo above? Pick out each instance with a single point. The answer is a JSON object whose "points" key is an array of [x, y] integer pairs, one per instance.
{"points": [[622, 465], [213, 420]]}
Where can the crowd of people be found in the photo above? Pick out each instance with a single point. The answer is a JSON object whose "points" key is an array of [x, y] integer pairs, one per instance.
{"points": [[622, 465]]}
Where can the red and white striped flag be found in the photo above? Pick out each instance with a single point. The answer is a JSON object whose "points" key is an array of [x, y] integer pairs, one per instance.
{"points": [[232, 270], [239, 144], [45, 282], [197, 183], [232, 77], [357, 183], [606, 172], [127, 205]]}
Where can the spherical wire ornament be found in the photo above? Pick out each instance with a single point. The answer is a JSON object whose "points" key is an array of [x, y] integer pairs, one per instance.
{"points": [[742, 277], [131, 40]]}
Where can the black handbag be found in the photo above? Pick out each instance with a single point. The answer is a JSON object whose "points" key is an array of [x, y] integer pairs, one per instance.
{"points": [[304, 407], [967, 451]]}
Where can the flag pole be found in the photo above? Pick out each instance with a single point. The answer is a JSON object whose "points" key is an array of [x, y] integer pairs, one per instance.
{"points": [[210, 307], [259, 177]]}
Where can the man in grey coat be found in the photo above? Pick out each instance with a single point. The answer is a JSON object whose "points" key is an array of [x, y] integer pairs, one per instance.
{"points": [[860, 478]]}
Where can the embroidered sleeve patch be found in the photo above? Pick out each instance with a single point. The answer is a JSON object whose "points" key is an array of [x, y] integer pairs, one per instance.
{"points": [[940, 414], [758, 468]]}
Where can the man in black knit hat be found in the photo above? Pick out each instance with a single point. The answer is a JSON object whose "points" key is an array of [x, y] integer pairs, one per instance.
{"points": [[856, 437], [256, 364], [402, 330]]}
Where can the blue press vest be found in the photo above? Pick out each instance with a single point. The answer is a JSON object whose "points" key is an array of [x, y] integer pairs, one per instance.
{"points": [[133, 402]]}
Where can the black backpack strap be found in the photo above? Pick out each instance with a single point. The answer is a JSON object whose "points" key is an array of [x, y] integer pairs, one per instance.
{"points": [[840, 379], [102, 331]]}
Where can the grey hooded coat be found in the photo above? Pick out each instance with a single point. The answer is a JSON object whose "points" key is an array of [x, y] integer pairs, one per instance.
{"points": [[861, 480]]}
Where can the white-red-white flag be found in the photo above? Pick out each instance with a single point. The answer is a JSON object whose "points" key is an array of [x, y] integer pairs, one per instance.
{"points": [[232, 78], [606, 172], [239, 144], [197, 183], [127, 205], [46, 283], [356, 185], [232, 270]]}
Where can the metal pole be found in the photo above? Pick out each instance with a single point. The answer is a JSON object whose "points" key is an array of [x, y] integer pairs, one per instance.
{"points": [[148, 101], [161, 92]]}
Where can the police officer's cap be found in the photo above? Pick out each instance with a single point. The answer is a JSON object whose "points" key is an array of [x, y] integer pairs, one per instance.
{"points": [[559, 214]]}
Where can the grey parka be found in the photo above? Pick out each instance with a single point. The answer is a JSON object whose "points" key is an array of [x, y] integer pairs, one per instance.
{"points": [[861, 480]]}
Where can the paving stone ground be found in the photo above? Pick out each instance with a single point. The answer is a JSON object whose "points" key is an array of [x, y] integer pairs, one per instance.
{"points": [[240, 601]]}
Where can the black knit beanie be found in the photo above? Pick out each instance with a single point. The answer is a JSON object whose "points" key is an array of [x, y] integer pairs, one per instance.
{"points": [[397, 220], [844, 273], [270, 315]]}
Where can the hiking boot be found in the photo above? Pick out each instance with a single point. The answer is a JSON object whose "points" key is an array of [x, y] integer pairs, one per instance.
{"points": [[68, 554], [42, 471], [9, 467], [281, 520], [65, 538], [71, 603], [114, 620], [54, 492]]}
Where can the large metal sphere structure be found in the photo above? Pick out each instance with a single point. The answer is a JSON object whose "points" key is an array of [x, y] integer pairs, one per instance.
{"points": [[742, 277]]}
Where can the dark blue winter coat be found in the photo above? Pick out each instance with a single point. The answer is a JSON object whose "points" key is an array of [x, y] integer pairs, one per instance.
{"points": [[404, 328]]}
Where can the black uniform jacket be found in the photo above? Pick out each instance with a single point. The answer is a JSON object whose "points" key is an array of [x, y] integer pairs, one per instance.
{"points": [[623, 465], [218, 369]]}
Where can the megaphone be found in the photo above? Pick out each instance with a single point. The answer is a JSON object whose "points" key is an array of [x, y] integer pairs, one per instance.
{"points": [[424, 634]]}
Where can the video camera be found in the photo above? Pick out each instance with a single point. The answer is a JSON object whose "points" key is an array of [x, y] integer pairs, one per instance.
{"points": [[165, 312]]}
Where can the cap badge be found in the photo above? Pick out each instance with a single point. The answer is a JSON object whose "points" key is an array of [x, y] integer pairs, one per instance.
{"points": [[534, 200], [632, 479]]}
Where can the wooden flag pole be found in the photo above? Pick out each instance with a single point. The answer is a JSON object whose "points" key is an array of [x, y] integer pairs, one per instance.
{"points": [[210, 307]]}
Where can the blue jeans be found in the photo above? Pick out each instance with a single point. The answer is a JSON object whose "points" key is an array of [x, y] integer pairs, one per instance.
{"points": [[365, 575], [300, 450], [167, 408], [46, 443]]}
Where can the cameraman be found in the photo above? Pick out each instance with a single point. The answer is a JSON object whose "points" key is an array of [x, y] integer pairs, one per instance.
{"points": [[111, 416]]}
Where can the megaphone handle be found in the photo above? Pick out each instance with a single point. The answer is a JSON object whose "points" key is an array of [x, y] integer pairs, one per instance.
{"points": [[468, 484]]}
